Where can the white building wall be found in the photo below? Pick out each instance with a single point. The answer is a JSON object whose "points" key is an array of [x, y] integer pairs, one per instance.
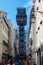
{"points": [[11, 41], [37, 35], [39, 17], [3, 34]]}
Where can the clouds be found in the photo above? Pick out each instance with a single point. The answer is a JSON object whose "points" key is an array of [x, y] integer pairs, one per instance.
{"points": [[28, 4]]}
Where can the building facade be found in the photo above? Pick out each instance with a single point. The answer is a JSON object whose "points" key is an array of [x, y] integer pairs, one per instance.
{"points": [[36, 32], [3, 36], [11, 37], [6, 38], [32, 35]]}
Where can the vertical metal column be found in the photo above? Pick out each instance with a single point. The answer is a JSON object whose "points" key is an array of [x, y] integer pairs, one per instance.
{"points": [[21, 18], [21, 41]]}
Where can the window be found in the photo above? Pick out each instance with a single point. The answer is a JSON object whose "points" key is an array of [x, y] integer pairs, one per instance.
{"points": [[31, 42], [38, 28], [5, 50], [37, 32], [41, 22], [37, 8], [39, 0]]}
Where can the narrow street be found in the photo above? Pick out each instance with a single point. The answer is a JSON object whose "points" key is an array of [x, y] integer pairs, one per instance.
{"points": [[21, 32]]}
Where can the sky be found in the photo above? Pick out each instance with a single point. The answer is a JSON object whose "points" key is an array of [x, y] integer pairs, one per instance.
{"points": [[10, 6]]}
